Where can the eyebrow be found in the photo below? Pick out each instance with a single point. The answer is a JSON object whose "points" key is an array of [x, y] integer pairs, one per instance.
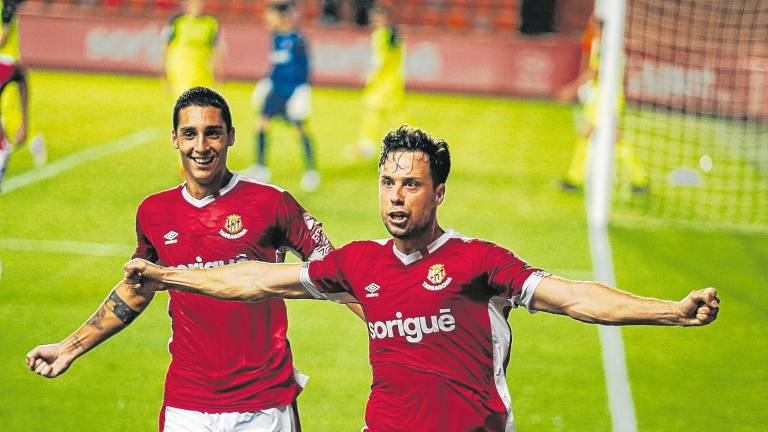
{"points": [[207, 128], [406, 178]]}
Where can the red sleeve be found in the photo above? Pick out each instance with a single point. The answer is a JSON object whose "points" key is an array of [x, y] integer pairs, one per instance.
{"points": [[301, 232], [144, 248], [324, 278], [509, 276]]}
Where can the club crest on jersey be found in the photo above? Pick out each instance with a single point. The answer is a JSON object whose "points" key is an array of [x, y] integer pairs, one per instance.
{"points": [[233, 227], [436, 275]]}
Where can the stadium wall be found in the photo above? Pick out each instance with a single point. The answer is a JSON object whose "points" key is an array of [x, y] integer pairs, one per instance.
{"points": [[452, 62]]}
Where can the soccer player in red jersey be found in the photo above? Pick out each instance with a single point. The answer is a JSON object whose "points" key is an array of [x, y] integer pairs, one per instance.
{"points": [[436, 302], [231, 363], [11, 70]]}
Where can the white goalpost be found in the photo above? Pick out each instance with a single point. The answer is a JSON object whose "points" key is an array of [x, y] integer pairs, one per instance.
{"points": [[599, 189], [694, 134]]}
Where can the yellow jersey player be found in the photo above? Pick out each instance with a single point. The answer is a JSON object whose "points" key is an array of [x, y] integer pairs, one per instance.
{"points": [[190, 54], [10, 102], [384, 93], [11, 71], [586, 88], [9, 36]]}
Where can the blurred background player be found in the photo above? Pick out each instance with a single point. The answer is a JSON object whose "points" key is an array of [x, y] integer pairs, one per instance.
{"points": [[286, 93], [10, 101], [191, 55], [11, 71], [586, 89], [384, 93]]}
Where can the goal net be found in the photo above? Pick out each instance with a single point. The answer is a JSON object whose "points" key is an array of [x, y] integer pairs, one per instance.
{"points": [[696, 120]]}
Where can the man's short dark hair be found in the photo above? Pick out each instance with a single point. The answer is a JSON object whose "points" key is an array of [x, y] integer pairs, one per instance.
{"points": [[414, 139], [282, 7], [202, 96]]}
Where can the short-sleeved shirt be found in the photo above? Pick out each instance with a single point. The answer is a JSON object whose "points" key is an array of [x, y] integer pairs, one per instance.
{"points": [[290, 63], [437, 323], [189, 59], [227, 356], [9, 71]]}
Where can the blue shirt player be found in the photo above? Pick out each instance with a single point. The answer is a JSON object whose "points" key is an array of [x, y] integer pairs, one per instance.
{"points": [[286, 92]]}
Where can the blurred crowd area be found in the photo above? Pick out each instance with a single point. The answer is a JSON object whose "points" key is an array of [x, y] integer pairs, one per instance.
{"points": [[531, 17]]}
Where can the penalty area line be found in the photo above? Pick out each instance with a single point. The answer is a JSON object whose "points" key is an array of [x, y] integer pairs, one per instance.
{"points": [[73, 160]]}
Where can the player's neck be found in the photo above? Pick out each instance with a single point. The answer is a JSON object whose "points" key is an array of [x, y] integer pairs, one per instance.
{"points": [[200, 191], [420, 241]]}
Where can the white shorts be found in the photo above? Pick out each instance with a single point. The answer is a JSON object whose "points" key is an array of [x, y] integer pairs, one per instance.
{"points": [[282, 419]]}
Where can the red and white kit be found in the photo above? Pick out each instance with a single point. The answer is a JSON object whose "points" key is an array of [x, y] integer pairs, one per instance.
{"points": [[227, 356], [437, 322]]}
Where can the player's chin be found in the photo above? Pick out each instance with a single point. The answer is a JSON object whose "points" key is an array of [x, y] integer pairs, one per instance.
{"points": [[397, 231]]}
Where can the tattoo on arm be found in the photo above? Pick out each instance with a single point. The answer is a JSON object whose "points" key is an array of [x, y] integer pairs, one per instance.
{"points": [[74, 341], [96, 319], [120, 308]]}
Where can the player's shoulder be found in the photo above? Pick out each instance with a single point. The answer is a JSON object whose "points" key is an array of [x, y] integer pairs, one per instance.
{"points": [[248, 185], [367, 247], [298, 37], [210, 19], [159, 199], [457, 240], [175, 19], [251, 190]]}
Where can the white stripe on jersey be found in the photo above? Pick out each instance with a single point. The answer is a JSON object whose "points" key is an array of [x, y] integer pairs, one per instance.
{"points": [[342, 297], [501, 336]]}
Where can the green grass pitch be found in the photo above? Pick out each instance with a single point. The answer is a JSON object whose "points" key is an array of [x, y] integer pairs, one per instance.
{"points": [[506, 157]]}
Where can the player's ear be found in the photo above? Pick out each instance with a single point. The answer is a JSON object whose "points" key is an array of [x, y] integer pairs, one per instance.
{"points": [[231, 137], [175, 139], [439, 193]]}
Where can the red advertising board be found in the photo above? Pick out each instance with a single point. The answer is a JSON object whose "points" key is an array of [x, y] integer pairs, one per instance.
{"points": [[435, 61]]}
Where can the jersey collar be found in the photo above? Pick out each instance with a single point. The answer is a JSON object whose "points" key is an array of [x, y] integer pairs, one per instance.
{"points": [[202, 202], [409, 259]]}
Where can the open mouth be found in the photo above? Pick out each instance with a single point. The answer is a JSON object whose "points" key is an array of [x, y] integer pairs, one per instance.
{"points": [[397, 217], [202, 161]]}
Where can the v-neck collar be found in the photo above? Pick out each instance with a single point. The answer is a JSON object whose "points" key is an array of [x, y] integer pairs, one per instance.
{"points": [[202, 202], [411, 258]]}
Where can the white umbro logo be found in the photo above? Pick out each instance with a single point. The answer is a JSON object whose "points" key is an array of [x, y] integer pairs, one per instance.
{"points": [[372, 288], [170, 237]]}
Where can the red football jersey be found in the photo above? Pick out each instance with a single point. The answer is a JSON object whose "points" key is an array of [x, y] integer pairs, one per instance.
{"points": [[437, 323], [8, 70], [227, 356]]}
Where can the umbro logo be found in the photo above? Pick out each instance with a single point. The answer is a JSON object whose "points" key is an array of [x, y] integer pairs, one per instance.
{"points": [[171, 237], [372, 290]]}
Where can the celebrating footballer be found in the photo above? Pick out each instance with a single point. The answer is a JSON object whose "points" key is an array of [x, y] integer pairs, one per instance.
{"points": [[436, 302]]}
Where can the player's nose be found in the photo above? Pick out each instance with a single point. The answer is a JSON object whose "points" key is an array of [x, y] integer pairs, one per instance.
{"points": [[201, 144], [396, 195]]}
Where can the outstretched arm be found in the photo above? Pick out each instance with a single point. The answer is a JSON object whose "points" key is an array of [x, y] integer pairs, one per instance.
{"points": [[595, 303], [245, 281], [120, 308]]}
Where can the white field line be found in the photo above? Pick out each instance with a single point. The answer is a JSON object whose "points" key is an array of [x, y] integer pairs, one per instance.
{"points": [[73, 160], [620, 401], [95, 249]]}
